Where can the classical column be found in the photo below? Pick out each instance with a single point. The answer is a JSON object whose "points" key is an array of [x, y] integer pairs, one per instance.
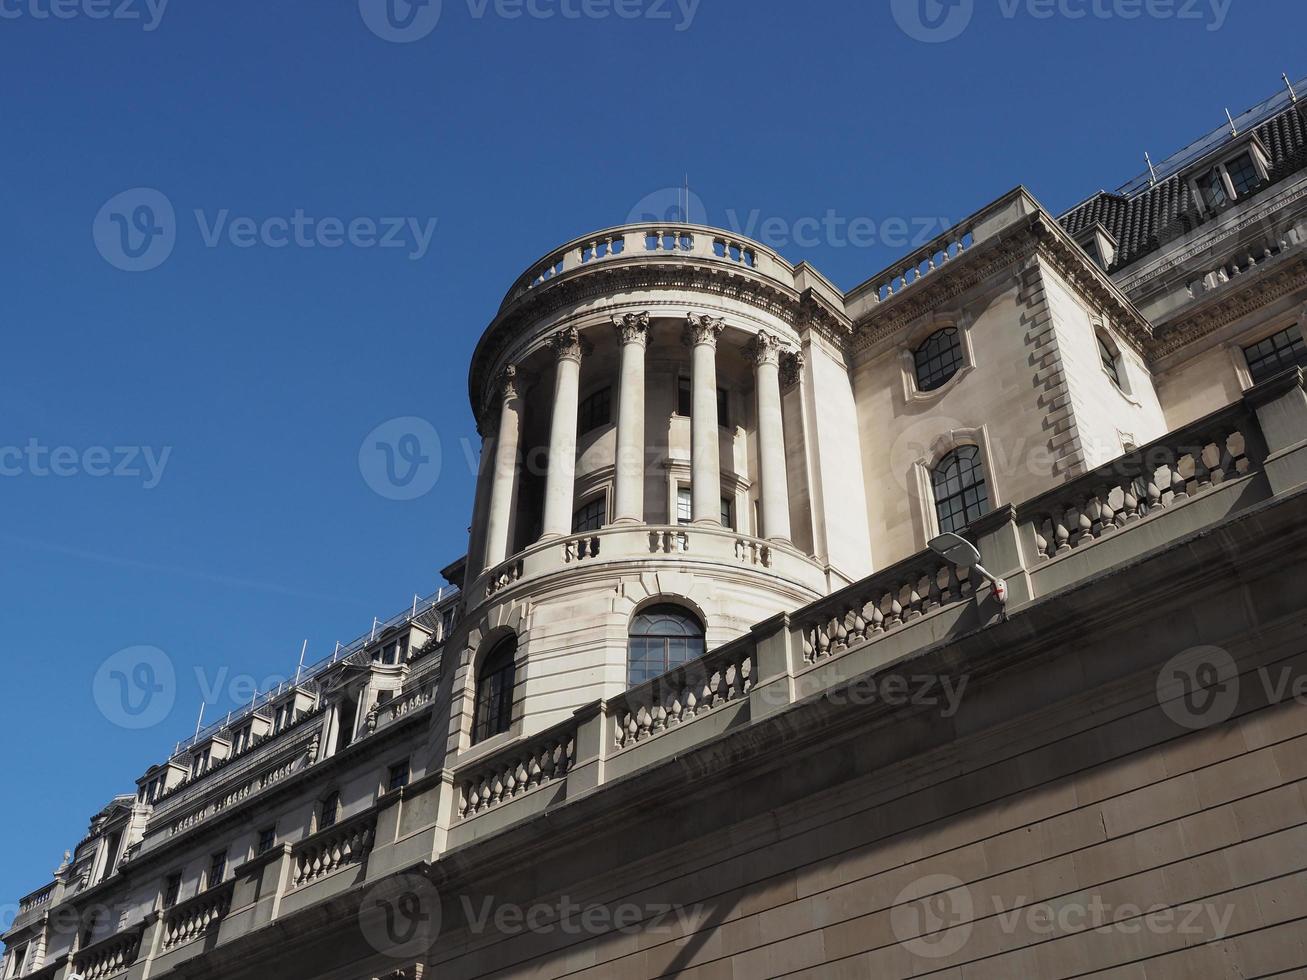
{"points": [[705, 459], [628, 492], [503, 487], [560, 481], [765, 352]]}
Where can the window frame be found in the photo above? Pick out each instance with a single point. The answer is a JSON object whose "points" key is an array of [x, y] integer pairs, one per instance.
{"points": [[599, 504], [269, 834], [1219, 169], [398, 775], [669, 609], [328, 817], [587, 418], [498, 668], [1257, 375], [685, 401], [172, 890], [970, 513], [217, 871]]}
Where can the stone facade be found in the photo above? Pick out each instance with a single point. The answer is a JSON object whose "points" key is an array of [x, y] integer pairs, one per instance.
{"points": [[864, 763]]}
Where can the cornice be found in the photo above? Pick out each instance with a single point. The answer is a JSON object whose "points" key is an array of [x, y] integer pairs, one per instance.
{"points": [[613, 278], [1238, 299]]}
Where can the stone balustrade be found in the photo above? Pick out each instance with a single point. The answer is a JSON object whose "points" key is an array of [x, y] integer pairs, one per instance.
{"points": [[1179, 467], [1247, 258], [37, 899], [516, 770], [193, 918], [881, 604], [110, 956], [684, 693], [347, 843], [656, 241], [254, 781], [397, 708], [922, 262], [638, 542]]}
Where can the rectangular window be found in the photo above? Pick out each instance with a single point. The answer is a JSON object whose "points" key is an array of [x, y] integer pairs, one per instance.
{"points": [[685, 402], [20, 960], [591, 516], [1243, 174], [1108, 357], [684, 505], [267, 840], [1212, 188], [397, 778], [728, 513], [595, 410], [172, 890], [217, 869], [1276, 353]]}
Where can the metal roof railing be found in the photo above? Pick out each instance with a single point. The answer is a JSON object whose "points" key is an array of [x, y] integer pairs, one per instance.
{"points": [[306, 675], [1214, 140]]}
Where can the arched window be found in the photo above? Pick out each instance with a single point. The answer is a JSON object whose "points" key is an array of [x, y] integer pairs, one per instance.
{"points": [[494, 697], [938, 359], [960, 492], [662, 637]]}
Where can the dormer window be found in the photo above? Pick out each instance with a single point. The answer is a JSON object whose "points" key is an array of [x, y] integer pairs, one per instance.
{"points": [[1099, 245], [1234, 178]]}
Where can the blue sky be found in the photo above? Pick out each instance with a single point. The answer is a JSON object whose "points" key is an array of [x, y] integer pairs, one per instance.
{"points": [[232, 386]]}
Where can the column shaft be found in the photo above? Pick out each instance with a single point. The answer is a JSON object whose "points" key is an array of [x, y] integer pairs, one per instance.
{"points": [[503, 488], [628, 490], [705, 458], [775, 494], [560, 482]]}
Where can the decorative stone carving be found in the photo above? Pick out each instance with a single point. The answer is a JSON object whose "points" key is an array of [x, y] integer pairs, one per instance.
{"points": [[567, 345], [791, 368], [764, 348], [632, 328], [703, 330]]}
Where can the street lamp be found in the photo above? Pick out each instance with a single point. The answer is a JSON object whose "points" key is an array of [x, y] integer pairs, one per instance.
{"points": [[961, 552]]}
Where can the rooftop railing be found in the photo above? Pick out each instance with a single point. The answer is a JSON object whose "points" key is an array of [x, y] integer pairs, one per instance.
{"points": [[306, 676]]}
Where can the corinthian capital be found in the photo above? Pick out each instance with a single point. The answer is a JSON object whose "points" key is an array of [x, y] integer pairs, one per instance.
{"points": [[633, 328], [764, 348], [567, 344], [506, 384], [703, 329]]}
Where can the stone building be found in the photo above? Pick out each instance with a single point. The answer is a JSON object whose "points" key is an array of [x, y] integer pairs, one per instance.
{"points": [[701, 699]]}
